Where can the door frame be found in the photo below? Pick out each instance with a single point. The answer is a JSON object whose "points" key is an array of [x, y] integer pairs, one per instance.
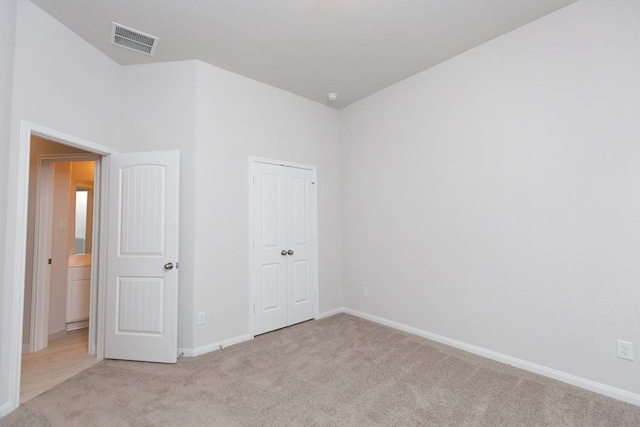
{"points": [[27, 129], [40, 286], [314, 215]]}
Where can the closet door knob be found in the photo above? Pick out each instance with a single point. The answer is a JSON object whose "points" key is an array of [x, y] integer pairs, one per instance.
{"points": [[168, 266], [290, 252], [283, 253]]}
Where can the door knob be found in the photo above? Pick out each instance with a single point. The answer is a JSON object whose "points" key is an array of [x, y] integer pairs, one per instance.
{"points": [[290, 252], [283, 252], [168, 266]]}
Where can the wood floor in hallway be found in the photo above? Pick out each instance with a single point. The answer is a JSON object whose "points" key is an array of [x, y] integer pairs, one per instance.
{"points": [[62, 359]]}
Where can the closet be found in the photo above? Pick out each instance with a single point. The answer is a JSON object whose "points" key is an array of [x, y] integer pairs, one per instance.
{"points": [[284, 257]]}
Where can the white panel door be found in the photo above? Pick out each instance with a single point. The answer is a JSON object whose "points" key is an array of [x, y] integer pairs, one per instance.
{"points": [[300, 245], [284, 284], [142, 255], [270, 239]]}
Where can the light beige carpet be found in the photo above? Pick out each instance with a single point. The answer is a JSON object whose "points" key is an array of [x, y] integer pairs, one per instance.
{"points": [[339, 371]]}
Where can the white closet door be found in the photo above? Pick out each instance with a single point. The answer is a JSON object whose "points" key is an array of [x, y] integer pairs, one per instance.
{"points": [[284, 271], [270, 239], [301, 244]]}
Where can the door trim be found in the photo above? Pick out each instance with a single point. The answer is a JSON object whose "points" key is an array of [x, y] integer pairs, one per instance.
{"points": [[314, 215], [21, 181]]}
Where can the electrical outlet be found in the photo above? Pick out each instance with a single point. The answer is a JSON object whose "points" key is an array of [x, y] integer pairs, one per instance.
{"points": [[202, 318], [625, 350], [365, 291]]}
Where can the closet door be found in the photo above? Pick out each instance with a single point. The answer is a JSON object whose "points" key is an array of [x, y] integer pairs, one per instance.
{"points": [[300, 246], [283, 270], [270, 240]]}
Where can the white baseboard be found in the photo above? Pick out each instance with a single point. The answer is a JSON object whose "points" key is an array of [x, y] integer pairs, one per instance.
{"points": [[72, 326], [6, 409], [198, 351], [575, 380], [330, 313]]}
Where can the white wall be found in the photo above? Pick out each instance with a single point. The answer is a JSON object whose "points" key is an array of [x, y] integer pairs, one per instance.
{"points": [[494, 199], [238, 118], [63, 83], [7, 50]]}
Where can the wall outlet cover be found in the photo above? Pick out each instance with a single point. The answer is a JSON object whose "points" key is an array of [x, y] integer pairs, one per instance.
{"points": [[201, 317], [625, 350]]}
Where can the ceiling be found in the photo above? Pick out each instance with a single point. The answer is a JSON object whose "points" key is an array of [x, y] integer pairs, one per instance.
{"points": [[308, 47]]}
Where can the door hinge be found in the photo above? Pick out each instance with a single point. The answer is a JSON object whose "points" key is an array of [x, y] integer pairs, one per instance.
{"points": [[49, 261]]}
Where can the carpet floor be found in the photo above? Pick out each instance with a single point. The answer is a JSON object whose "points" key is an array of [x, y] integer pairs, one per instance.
{"points": [[338, 371]]}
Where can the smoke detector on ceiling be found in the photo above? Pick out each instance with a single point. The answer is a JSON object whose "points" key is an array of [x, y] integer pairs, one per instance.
{"points": [[133, 39]]}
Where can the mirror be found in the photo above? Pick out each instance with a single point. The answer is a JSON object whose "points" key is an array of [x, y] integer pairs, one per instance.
{"points": [[84, 217]]}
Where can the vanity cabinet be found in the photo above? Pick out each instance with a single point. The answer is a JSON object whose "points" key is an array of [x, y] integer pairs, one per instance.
{"points": [[78, 292]]}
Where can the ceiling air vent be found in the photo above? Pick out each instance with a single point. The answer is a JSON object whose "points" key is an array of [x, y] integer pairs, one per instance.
{"points": [[133, 39]]}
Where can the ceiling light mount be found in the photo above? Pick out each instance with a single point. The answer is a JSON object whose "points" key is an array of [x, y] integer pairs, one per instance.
{"points": [[332, 96]]}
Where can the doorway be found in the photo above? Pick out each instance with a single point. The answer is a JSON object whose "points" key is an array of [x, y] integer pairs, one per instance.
{"points": [[119, 172], [14, 326], [58, 264], [59, 243]]}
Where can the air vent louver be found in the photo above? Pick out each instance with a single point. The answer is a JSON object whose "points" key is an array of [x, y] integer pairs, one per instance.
{"points": [[133, 39]]}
